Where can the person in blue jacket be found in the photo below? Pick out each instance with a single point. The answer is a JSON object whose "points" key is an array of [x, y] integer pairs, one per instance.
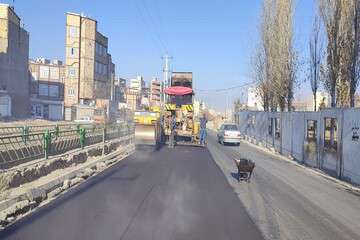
{"points": [[203, 133]]}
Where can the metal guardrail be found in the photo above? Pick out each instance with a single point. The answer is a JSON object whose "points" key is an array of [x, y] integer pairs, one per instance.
{"points": [[27, 129], [21, 148]]}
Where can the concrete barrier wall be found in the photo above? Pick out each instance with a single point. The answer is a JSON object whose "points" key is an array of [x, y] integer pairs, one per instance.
{"points": [[351, 145], [327, 139]]}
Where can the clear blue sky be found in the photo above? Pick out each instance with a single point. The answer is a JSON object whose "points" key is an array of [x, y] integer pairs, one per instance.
{"points": [[214, 39]]}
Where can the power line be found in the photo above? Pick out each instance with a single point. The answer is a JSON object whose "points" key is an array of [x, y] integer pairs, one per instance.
{"points": [[275, 87], [226, 89], [148, 28], [148, 21], [156, 29]]}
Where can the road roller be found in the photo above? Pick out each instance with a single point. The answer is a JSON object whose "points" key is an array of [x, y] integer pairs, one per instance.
{"points": [[147, 128]]}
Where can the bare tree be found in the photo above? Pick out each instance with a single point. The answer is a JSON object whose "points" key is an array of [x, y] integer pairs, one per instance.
{"points": [[261, 64], [259, 68], [353, 48], [330, 12], [315, 46], [268, 52], [289, 56], [275, 62], [237, 105], [284, 55], [341, 71]]}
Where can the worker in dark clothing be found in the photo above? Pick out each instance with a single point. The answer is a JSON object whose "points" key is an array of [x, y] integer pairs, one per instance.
{"points": [[203, 133], [172, 134]]}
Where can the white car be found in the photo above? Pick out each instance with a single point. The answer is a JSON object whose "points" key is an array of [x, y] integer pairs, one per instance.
{"points": [[229, 133]]}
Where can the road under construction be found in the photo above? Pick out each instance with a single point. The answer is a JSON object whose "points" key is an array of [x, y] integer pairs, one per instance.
{"points": [[193, 193]]}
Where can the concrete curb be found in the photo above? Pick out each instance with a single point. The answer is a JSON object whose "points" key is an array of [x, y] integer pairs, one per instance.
{"points": [[57, 183]]}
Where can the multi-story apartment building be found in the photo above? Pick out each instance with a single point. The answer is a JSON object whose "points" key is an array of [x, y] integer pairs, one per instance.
{"points": [[133, 99], [14, 57], [145, 98], [134, 93], [47, 88], [89, 70], [137, 84], [119, 90], [155, 92]]}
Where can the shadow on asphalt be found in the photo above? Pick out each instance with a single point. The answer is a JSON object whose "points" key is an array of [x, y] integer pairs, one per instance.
{"points": [[231, 145], [53, 205], [149, 147]]}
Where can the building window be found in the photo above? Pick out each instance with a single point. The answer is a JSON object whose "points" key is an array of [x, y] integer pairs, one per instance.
{"points": [[43, 89], [97, 50], [53, 91], [44, 72], [71, 92], [36, 110], [330, 134], [100, 50], [100, 68], [54, 73], [46, 111], [72, 72], [98, 112], [73, 31], [96, 67], [73, 52]]}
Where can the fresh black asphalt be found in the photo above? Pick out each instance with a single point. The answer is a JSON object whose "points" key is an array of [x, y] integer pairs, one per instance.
{"points": [[166, 194]]}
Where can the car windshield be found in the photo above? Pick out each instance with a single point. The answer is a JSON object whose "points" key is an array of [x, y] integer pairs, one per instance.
{"points": [[230, 127]]}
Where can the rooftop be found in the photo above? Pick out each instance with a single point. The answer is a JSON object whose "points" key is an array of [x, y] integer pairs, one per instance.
{"points": [[81, 15], [45, 61], [11, 8]]}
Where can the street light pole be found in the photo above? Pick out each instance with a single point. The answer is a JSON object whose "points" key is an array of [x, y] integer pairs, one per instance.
{"points": [[166, 70]]}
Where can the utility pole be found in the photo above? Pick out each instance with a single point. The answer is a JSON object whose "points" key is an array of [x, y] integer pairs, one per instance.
{"points": [[166, 71]]}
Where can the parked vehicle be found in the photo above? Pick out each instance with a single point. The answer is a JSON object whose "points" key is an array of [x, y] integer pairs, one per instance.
{"points": [[229, 133]]}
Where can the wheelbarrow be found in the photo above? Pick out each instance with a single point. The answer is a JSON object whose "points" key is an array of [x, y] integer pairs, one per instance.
{"points": [[245, 169]]}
